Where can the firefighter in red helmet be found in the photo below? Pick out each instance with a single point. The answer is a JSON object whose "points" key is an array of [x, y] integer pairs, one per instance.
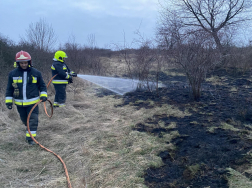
{"points": [[25, 88]]}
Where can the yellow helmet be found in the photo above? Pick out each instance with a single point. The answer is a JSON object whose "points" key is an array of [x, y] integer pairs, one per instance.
{"points": [[60, 55]]}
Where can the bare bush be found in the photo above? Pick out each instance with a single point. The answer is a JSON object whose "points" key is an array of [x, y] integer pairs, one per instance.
{"points": [[143, 64], [7, 58], [239, 59], [196, 54], [192, 50], [93, 60], [84, 59]]}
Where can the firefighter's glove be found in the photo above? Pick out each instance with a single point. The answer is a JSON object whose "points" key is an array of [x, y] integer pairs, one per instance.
{"points": [[44, 99], [9, 106], [70, 79]]}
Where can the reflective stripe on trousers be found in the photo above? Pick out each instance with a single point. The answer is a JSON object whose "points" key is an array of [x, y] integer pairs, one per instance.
{"points": [[33, 123]]}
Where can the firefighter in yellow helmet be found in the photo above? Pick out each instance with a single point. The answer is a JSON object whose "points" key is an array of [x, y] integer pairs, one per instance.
{"points": [[64, 77], [25, 88]]}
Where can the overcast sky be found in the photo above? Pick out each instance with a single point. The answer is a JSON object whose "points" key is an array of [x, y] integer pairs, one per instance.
{"points": [[108, 20]]}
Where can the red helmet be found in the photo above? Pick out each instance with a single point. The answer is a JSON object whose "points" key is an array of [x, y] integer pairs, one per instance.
{"points": [[23, 56]]}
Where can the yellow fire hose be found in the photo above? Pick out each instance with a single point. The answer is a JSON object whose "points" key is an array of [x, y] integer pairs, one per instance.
{"points": [[28, 128]]}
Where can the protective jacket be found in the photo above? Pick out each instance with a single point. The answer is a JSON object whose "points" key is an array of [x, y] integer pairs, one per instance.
{"points": [[25, 87], [62, 71]]}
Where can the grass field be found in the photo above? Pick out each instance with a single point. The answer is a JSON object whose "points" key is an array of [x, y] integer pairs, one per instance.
{"points": [[114, 141]]}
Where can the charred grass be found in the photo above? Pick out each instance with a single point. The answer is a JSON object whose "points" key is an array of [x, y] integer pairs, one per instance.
{"points": [[213, 142]]}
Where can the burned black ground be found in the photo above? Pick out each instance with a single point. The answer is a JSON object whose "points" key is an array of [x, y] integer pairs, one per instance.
{"points": [[204, 148]]}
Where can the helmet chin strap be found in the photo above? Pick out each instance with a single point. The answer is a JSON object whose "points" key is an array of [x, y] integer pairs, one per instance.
{"points": [[30, 63]]}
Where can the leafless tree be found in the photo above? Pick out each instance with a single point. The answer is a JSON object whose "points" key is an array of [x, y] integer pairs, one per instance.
{"points": [[41, 35], [212, 16], [193, 51], [91, 41]]}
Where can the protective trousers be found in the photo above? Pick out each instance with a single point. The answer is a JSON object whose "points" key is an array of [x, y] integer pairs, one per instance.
{"points": [[33, 122], [60, 96]]}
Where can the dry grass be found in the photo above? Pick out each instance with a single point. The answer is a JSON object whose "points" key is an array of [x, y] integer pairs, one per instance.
{"points": [[115, 66], [215, 80], [93, 137], [238, 180]]}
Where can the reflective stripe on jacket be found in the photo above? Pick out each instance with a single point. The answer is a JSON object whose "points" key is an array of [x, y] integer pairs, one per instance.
{"points": [[62, 72], [30, 86]]}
